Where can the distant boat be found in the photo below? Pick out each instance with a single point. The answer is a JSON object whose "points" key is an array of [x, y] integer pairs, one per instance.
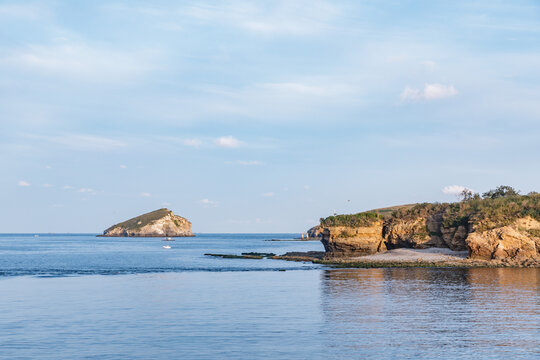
{"points": [[168, 239], [166, 246], [36, 235]]}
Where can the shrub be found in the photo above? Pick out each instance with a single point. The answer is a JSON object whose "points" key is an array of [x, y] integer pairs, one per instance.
{"points": [[352, 220]]}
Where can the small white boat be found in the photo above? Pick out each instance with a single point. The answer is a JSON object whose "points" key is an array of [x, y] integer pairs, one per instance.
{"points": [[166, 246], [168, 239]]}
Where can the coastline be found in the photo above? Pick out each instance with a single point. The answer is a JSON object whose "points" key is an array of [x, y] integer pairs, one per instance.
{"points": [[407, 258]]}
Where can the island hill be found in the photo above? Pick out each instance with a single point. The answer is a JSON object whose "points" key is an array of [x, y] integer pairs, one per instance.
{"points": [[500, 227], [157, 223]]}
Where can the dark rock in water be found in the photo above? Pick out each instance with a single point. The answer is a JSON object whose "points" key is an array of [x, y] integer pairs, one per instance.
{"points": [[157, 223], [315, 232]]}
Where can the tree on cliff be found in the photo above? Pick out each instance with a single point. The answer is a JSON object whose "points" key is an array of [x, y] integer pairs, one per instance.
{"points": [[501, 191]]}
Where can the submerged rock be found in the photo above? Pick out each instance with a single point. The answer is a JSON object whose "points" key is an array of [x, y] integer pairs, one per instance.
{"points": [[157, 223]]}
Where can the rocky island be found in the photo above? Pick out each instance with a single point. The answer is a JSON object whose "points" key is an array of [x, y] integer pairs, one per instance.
{"points": [[157, 223], [501, 227]]}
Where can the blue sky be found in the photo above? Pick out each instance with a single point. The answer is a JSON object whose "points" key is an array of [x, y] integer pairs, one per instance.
{"points": [[260, 116]]}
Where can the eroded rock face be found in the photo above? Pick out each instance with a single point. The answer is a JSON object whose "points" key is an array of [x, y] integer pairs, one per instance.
{"points": [[502, 243], [342, 241], [411, 234], [422, 233], [157, 223], [514, 242], [315, 232]]}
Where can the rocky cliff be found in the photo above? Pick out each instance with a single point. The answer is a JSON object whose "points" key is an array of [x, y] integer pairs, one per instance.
{"points": [[157, 223], [353, 241], [506, 227]]}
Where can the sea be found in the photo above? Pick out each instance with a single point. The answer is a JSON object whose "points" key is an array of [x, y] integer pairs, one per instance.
{"points": [[78, 296]]}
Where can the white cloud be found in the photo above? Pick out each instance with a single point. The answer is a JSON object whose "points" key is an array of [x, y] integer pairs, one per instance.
{"points": [[307, 187], [47, 185], [430, 92], [145, 194], [454, 190], [207, 203], [87, 190], [67, 187], [192, 142], [23, 183], [268, 194], [228, 142], [123, 166]]}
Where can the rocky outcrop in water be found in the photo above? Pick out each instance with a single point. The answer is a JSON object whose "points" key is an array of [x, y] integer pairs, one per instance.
{"points": [[157, 223], [349, 241], [490, 229], [315, 232], [507, 242]]}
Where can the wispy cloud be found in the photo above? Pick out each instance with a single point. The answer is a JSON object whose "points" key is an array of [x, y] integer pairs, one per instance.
{"points": [[278, 18], [82, 62], [207, 203], [82, 141], [227, 142], [430, 92], [22, 11], [245, 162], [123, 166], [145, 194], [454, 190], [268, 194], [23, 183], [88, 190], [193, 142]]}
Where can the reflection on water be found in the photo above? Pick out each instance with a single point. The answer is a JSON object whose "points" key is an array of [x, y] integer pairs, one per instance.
{"points": [[428, 313]]}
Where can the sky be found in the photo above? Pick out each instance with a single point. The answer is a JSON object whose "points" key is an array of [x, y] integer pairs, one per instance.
{"points": [[260, 116]]}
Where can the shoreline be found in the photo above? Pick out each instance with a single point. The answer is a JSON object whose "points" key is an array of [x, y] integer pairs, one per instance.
{"points": [[407, 258]]}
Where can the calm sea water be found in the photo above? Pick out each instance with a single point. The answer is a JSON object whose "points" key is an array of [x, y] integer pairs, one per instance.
{"points": [[82, 297]]}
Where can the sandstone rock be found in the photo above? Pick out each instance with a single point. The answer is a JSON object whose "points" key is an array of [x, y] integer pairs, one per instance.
{"points": [[502, 243], [348, 241], [157, 223], [411, 234], [455, 238]]}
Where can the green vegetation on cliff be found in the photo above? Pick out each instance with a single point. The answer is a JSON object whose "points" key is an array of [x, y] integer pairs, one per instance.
{"points": [[142, 220], [495, 208], [353, 220]]}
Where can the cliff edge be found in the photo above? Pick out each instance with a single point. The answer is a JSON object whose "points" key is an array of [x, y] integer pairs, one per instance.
{"points": [[157, 223], [498, 226]]}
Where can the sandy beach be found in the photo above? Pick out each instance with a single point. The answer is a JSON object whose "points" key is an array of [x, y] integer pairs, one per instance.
{"points": [[406, 254]]}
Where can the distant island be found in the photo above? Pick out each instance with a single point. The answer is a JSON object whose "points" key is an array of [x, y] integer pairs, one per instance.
{"points": [[499, 226], [157, 223]]}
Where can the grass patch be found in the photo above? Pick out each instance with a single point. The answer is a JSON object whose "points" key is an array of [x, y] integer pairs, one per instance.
{"points": [[142, 220], [353, 220], [478, 213]]}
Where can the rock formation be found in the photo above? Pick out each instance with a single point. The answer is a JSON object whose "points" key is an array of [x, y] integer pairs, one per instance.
{"points": [[350, 241], [157, 223], [490, 229], [315, 232]]}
